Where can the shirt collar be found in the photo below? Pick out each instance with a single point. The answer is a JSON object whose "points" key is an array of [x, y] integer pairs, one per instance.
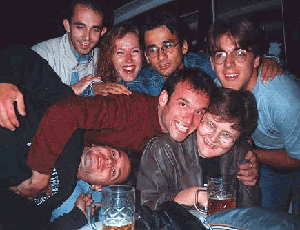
{"points": [[83, 58]]}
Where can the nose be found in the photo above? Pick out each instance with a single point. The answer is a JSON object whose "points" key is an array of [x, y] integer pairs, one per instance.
{"points": [[229, 60], [128, 58], [214, 136], [189, 118], [86, 34], [161, 54]]}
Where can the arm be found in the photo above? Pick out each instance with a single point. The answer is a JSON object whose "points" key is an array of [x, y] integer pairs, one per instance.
{"points": [[71, 221], [187, 197], [277, 158], [118, 113], [152, 180], [81, 85], [269, 69], [30, 188], [25, 72]]}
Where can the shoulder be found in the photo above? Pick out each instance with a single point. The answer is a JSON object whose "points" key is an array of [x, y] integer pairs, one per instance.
{"points": [[284, 90], [48, 43]]}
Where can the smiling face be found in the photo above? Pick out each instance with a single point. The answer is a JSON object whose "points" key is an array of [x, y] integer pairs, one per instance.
{"points": [[103, 165], [233, 74], [85, 29], [181, 114], [127, 57], [209, 143], [165, 64]]}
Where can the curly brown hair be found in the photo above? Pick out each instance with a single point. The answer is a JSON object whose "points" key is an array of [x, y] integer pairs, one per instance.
{"points": [[106, 68]]}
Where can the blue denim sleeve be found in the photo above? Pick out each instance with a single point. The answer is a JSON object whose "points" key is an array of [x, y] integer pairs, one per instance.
{"points": [[201, 61]]}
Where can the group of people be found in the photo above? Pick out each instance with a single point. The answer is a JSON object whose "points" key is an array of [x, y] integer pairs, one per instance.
{"points": [[141, 109]]}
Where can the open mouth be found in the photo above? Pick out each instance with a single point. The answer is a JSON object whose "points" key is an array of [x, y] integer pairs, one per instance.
{"points": [[231, 76], [181, 127], [164, 66], [128, 69], [85, 45]]}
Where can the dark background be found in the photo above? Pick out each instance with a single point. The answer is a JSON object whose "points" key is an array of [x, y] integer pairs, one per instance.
{"points": [[29, 22]]}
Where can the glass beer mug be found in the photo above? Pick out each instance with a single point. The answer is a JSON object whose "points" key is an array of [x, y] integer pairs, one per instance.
{"points": [[116, 211], [221, 195]]}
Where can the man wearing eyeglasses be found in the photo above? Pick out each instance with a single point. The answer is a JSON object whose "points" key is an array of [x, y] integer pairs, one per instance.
{"points": [[235, 54], [166, 50]]}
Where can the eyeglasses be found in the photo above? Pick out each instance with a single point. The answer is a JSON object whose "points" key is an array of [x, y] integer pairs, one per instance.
{"points": [[237, 55], [209, 127], [167, 47]]}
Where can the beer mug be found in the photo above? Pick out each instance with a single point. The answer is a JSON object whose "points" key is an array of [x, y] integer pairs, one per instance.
{"points": [[221, 195], [118, 207]]}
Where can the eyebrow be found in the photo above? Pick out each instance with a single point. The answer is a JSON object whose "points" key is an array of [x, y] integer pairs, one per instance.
{"points": [[82, 24], [164, 42]]}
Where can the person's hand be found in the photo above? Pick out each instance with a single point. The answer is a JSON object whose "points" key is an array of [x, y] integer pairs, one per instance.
{"points": [[110, 88], [32, 187], [83, 201], [248, 172], [269, 69], [80, 86], [187, 197], [10, 93]]}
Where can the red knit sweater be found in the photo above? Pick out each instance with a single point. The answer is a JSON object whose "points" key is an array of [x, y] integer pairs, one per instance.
{"points": [[127, 122]]}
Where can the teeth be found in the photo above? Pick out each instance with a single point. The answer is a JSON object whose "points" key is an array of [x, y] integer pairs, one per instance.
{"points": [[181, 127], [232, 75], [128, 68]]}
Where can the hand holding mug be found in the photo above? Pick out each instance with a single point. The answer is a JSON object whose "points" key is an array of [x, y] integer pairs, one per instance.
{"points": [[221, 195]]}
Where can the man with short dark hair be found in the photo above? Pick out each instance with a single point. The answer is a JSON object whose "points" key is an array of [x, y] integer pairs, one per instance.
{"points": [[74, 56], [235, 48], [165, 43]]}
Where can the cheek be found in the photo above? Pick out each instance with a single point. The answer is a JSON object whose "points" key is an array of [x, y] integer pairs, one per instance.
{"points": [[95, 36]]}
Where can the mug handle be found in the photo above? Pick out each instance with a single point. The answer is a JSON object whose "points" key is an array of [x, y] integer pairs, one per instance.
{"points": [[198, 207], [91, 219]]}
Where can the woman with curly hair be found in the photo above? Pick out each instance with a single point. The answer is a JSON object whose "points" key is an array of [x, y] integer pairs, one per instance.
{"points": [[120, 62]]}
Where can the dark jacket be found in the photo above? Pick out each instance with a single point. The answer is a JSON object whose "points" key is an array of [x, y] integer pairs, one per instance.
{"points": [[168, 167], [41, 87]]}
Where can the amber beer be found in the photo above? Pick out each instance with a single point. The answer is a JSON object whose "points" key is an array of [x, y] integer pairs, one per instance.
{"points": [[220, 204], [116, 225]]}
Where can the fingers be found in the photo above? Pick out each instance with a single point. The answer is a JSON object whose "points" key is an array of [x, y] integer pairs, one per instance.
{"points": [[248, 172], [8, 117], [9, 93], [279, 71], [269, 69], [21, 105], [110, 88]]}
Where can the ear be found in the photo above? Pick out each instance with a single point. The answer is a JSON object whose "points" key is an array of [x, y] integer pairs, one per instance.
{"points": [[185, 47], [96, 187], [163, 99], [147, 58], [256, 62], [212, 64], [104, 29], [66, 25]]}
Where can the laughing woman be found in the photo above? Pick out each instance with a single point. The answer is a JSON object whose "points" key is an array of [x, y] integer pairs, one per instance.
{"points": [[171, 170]]}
